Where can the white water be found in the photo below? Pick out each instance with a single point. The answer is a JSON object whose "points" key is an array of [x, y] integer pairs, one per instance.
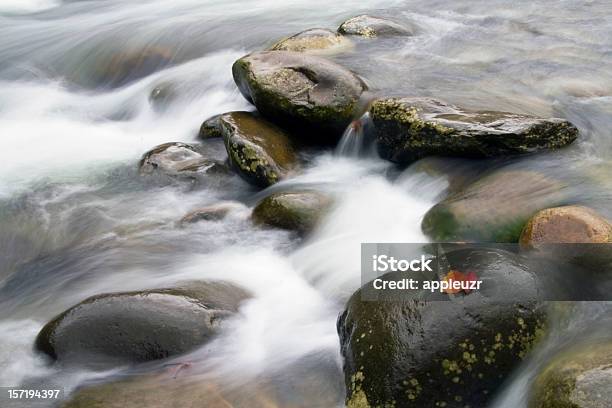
{"points": [[67, 148]]}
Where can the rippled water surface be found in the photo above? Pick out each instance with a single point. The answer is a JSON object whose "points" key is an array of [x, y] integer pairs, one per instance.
{"points": [[76, 219]]}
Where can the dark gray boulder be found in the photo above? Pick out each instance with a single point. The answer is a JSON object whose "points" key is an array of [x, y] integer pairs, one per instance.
{"points": [[407, 129], [455, 351], [302, 91], [140, 326]]}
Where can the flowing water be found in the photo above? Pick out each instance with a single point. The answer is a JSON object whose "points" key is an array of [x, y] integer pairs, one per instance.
{"points": [[76, 219]]}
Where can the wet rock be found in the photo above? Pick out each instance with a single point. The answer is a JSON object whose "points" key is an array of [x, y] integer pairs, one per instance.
{"points": [[494, 208], [211, 213], [369, 26], [444, 353], [211, 128], [301, 91], [569, 224], [315, 39], [292, 210], [578, 378], [162, 96], [124, 67], [140, 326], [180, 160], [260, 151], [407, 129]]}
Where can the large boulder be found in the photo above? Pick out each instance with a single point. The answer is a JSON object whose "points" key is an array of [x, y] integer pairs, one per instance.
{"points": [[455, 351], [300, 90], [313, 40], [292, 210], [568, 224], [176, 160], [369, 27], [494, 208], [259, 151], [140, 326], [407, 129], [577, 378]]}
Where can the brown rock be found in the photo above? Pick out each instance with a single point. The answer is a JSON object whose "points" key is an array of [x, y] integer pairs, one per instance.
{"points": [[568, 224]]}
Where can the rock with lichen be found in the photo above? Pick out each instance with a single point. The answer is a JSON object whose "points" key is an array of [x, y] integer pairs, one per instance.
{"points": [[576, 378], [494, 208], [315, 40], [370, 27], [210, 128], [455, 351], [261, 152], [407, 129], [302, 91], [298, 211], [116, 328]]}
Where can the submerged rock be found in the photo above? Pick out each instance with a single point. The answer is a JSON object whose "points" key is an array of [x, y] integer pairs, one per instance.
{"points": [[369, 26], [494, 208], [569, 224], [292, 210], [315, 39], [211, 213], [179, 160], [140, 326], [301, 91], [452, 352], [578, 378], [211, 128], [260, 151], [407, 129], [124, 67]]}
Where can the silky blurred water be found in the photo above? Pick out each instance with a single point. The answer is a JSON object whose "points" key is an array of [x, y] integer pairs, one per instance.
{"points": [[76, 219]]}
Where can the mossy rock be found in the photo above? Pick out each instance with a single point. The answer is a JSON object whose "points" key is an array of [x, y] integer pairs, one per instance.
{"points": [[407, 129], [370, 27], [315, 40], [139, 326], [568, 224], [453, 352], [261, 152], [302, 91], [211, 128], [182, 161], [292, 210], [577, 378], [495, 208]]}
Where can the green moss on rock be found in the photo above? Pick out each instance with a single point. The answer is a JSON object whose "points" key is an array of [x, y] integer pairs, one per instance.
{"points": [[576, 378], [407, 129], [301, 91], [494, 208], [294, 210], [260, 152]]}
